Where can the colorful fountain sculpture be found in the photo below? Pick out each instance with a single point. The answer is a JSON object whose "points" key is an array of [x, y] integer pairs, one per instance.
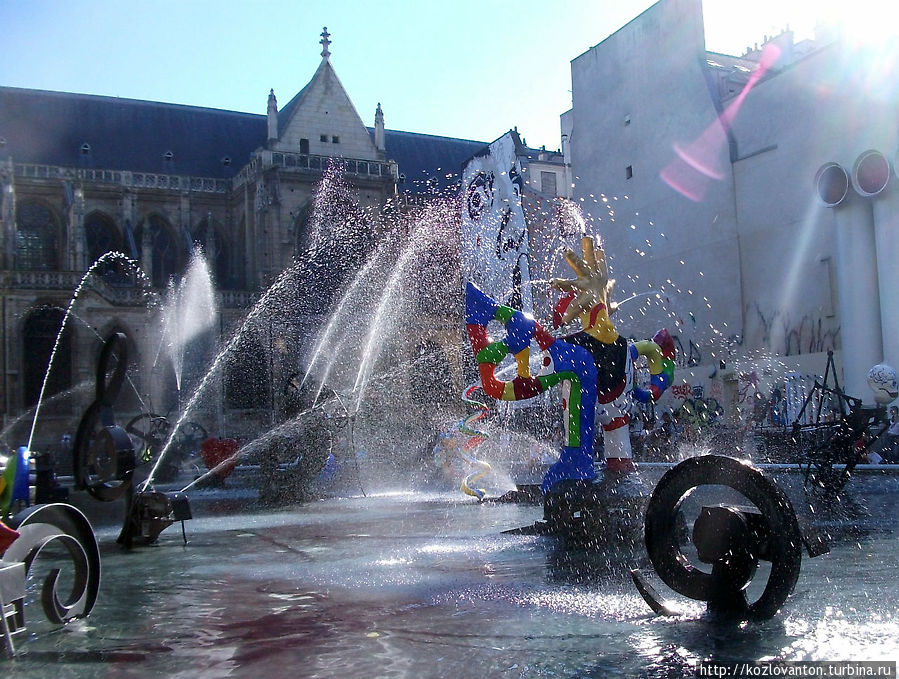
{"points": [[595, 369]]}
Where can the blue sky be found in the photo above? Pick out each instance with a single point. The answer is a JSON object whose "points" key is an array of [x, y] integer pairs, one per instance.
{"points": [[463, 69]]}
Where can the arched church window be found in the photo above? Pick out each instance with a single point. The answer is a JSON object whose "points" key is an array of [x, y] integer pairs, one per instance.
{"points": [[39, 334], [101, 235], [247, 376], [37, 237], [167, 254]]}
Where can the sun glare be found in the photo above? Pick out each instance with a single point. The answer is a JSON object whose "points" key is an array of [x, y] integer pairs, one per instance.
{"points": [[732, 28], [867, 23]]}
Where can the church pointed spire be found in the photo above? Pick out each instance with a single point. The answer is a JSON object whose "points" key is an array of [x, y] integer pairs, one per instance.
{"points": [[379, 129], [325, 43], [272, 117]]}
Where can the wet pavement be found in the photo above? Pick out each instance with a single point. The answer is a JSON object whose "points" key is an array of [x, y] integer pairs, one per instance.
{"points": [[426, 585]]}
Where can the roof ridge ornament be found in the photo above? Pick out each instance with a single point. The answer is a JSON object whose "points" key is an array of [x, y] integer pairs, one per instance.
{"points": [[325, 42]]}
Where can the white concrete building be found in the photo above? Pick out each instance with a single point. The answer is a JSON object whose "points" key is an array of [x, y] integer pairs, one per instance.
{"points": [[699, 172]]}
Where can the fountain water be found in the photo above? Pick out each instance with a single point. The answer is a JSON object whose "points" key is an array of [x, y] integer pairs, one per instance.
{"points": [[10, 430], [375, 568], [188, 310], [337, 243], [95, 266], [276, 289]]}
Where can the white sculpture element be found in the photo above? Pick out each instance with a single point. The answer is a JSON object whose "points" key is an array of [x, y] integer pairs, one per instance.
{"points": [[882, 381]]}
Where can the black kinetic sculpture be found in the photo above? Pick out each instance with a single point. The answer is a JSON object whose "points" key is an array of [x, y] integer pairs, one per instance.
{"points": [[105, 459], [732, 539]]}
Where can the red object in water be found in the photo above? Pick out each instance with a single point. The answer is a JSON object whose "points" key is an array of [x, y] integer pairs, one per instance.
{"points": [[7, 537], [219, 455]]}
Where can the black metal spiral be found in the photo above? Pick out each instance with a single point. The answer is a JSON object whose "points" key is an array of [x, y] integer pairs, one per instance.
{"points": [[103, 454], [731, 539]]}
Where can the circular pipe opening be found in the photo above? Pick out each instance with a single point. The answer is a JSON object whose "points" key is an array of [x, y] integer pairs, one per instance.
{"points": [[832, 184], [871, 173]]}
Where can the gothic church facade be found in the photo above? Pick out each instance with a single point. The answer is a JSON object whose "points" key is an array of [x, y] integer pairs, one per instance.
{"points": [[84, 175]]}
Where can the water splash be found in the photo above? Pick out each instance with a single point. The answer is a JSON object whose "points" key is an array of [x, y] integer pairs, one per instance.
{"points": [[189, 309], [82, 387], [652, 293], [340, 317], [278, 287], [106, 257], [389, 311]]}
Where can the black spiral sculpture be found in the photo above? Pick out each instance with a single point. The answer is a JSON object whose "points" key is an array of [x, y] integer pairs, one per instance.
{"points": [[103, 454], [732, 539]]}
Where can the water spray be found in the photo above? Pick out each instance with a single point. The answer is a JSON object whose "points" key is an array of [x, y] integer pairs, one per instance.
{"points": [[93, 267]]}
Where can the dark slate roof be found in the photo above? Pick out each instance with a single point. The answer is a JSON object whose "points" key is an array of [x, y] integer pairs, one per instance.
{"points": [[49, 128], [429, 163], [125, 134], [287, 111]]}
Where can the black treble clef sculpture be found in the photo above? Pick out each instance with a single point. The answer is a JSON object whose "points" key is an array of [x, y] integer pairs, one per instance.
{"points": [[104, 458]]}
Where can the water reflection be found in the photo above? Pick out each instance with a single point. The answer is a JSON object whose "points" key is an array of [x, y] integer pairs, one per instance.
{"points": [[425, 585]]}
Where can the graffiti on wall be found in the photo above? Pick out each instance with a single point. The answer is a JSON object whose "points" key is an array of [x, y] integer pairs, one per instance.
{"points": [[700, 412], [695, 352], [787, 336], [758, 401], [688, 356], [777, 332]]}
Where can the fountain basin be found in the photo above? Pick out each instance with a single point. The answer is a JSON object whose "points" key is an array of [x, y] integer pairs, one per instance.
{"points": [[418, 584]]}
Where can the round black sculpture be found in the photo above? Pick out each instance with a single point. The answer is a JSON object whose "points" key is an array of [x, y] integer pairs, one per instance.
{"points": [[731, 539], [153, 431]]}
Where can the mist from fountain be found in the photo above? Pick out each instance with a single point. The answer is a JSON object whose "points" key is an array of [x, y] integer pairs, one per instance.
{"points": [[333, 228], [106, 257], [188, 309], [651, 293], [83, 387], [324, 408], [276, 288], [340, 317], [390, 309]]}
